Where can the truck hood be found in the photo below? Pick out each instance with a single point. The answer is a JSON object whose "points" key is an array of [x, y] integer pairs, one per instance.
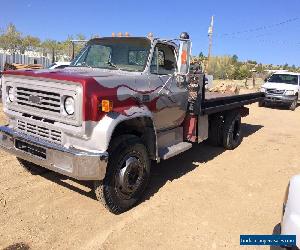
{"points": [[107, 78], [81, 71], [279, 86], [92, 72]]}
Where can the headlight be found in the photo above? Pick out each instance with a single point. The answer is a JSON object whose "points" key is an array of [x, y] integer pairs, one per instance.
{"points": [[262, 90], [10, 93], [289, 92], [69, 105]]}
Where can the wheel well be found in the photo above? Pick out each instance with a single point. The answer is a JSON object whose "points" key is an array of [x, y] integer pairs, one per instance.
{"points": [[143, 128]]}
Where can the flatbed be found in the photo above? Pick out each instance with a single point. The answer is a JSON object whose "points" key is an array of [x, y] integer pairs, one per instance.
{"points": [[216, 102]]}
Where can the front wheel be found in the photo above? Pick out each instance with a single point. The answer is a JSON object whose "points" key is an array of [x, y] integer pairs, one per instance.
{"points": [[127, 176], [293, 105]]}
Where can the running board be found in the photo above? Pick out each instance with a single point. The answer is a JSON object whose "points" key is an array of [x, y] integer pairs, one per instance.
{"points": [[168, 152]]}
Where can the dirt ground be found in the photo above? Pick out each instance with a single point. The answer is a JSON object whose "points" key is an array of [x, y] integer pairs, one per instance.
{"points": [[202, 199]]}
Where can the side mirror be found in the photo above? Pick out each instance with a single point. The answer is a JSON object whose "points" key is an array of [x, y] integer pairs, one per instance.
{"points": [[184, 52]]}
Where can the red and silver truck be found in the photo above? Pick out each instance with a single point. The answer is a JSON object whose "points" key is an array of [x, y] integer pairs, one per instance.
{"points": [[122, 103]]}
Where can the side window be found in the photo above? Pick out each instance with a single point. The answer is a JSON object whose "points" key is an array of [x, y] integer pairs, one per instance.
{"points": [[158, 58], [163, 60]]}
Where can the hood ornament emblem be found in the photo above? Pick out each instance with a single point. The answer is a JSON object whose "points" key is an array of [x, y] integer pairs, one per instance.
{"points": [[35, 99]]}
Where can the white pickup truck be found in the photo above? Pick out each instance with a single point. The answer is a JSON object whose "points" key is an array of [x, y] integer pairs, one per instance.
{"points": [[282, 88]]}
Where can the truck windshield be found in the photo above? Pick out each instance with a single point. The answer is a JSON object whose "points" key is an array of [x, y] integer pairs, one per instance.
{"points": [[123, 53], [284, 78]]}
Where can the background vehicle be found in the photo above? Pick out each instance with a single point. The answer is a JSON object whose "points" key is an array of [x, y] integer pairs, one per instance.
{"points": [[59, 65], [121, 103], [290, 223], [282, 88]]}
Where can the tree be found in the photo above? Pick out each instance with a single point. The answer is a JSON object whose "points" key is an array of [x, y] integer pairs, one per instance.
{"points": [[285, 66], [221, 67], [10, 39], [29, 43], [67, 47], [235, 58], [260, 68], [252, 62], [201, 56], [51, 46]]}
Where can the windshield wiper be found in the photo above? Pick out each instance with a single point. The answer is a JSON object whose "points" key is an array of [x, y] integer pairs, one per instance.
{"points": [[83, 64], [112, 64]]}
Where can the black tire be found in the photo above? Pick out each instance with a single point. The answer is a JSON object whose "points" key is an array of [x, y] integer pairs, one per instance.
{"points": [[32, 168], [261, 104], [293, 105], [127, 176], [215, 134], [232, 136]]}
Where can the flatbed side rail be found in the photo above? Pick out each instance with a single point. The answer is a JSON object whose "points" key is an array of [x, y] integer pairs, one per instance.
{"points": [[220, 104]]}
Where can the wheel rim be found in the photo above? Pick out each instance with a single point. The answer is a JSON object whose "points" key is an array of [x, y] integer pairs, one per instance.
{"points": [[129, 178]]}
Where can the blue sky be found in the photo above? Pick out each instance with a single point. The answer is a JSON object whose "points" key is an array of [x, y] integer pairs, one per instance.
{"points": [[266, 31]]}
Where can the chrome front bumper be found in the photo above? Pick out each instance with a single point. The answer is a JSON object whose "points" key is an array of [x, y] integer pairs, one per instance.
{"points": [[72, 162], [279, 98]]}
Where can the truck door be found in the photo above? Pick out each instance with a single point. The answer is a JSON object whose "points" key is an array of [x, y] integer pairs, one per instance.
{"points": [[171, 98]]}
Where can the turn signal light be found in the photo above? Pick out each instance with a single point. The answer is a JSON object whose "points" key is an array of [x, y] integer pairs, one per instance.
{"points": [[106, 106], [184, 57]]}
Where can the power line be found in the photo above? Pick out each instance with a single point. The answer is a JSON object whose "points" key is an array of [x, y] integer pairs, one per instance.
{"points": [[269, 41], [261, 27]]}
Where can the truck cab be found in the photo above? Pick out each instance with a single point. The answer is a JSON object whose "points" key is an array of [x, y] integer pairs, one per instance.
{"points": [[122, 103], [283, 88]]}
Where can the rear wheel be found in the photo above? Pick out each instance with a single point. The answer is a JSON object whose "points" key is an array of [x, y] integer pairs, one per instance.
{"points": [[32, 168], [232, 136], [127, 176], [261, 104], [215, 135]]}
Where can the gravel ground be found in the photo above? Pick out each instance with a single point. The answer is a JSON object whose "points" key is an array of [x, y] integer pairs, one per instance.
{"points": [[202, 199]]}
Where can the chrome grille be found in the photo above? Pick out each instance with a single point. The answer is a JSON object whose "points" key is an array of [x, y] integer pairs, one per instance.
{"points": [[39, 131], [275, 91], [38, 99]]}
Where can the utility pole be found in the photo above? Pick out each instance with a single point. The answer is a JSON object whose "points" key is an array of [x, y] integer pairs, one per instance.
{"points": [[210, 36]]}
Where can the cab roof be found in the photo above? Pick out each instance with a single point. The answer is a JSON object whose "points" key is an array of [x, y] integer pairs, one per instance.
{"points": [[286, 73]]}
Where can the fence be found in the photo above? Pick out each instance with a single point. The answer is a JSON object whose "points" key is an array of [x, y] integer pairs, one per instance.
{"points": [[22, 59]]}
